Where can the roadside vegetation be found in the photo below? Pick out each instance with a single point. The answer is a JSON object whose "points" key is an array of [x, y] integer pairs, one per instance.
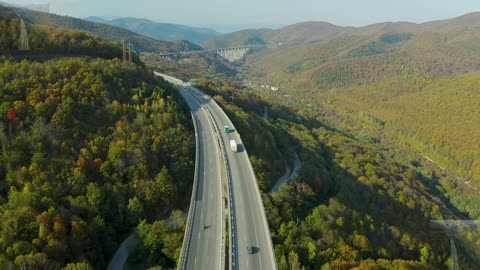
{"points": [[355, 204]]}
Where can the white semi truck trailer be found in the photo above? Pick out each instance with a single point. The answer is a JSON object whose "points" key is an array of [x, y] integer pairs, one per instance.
{"points": [[233, 146]]}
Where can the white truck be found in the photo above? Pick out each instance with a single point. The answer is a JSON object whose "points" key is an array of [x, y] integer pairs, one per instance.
{"points": [[233, 146]]}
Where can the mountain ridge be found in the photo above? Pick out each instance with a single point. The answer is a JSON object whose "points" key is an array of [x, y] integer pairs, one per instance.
{"points": [[113, 33], [403, 84], [161, 31], [314, 31]]}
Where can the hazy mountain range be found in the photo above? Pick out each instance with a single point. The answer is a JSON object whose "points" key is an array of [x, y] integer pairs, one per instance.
{"points": [[140, 42], [230, 28], [160, 31], [314, 31]]}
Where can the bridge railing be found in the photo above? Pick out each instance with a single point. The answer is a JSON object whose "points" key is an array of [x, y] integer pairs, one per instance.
{"points": [[213, 50]]}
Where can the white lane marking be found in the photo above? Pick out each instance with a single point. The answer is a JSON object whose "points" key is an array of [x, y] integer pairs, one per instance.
{"points": [[199, 236], [204, 133], [249, 185]]}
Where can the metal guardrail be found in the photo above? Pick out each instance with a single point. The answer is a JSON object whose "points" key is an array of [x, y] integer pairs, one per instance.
{"points": [[233, 228], [222, 151], [213, 50], [188, 226], [225, 162], [217, 133]]}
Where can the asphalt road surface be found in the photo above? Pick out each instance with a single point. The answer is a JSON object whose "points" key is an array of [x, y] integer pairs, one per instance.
{"points": [[251, 224], [205, 249]]}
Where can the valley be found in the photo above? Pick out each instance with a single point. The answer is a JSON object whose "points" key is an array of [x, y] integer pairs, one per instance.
{"points": [[119, 127]]}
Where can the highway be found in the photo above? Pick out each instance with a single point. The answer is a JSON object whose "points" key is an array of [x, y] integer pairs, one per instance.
{"points": [[205, 249], [250, 228]]}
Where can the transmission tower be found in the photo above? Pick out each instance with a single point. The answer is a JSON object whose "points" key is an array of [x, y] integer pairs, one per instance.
{"points": [[124, 51], [130, 49], [23, 36]]}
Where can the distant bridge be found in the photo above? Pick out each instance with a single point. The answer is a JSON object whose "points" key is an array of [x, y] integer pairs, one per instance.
{"points": [[231, 54]]}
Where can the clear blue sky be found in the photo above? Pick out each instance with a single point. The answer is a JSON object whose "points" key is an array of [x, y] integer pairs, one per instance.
{"points": [[203, 12]]}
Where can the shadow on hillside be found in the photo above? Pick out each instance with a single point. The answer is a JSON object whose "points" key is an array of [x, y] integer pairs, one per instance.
{"points": [[393, 215], [399, 208], [408, 218]]}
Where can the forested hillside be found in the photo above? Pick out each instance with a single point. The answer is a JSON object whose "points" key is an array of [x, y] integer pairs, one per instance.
{"points": [[94, 147], [91, 149], [354, 60], [355, 205], [195, 65], [236, 39], [46, 42], [311, 32], [106, 31], [384, 119], [292, 35], [393, 114], [411, 89]]}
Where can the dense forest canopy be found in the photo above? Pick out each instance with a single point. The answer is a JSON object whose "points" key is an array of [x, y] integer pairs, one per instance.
{"points": [[355, 205], [86, 128], [91, 149], [95, 147]]}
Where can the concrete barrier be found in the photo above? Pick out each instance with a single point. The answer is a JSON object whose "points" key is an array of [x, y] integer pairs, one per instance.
{"points": [[191, 211], [259, 197]]}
